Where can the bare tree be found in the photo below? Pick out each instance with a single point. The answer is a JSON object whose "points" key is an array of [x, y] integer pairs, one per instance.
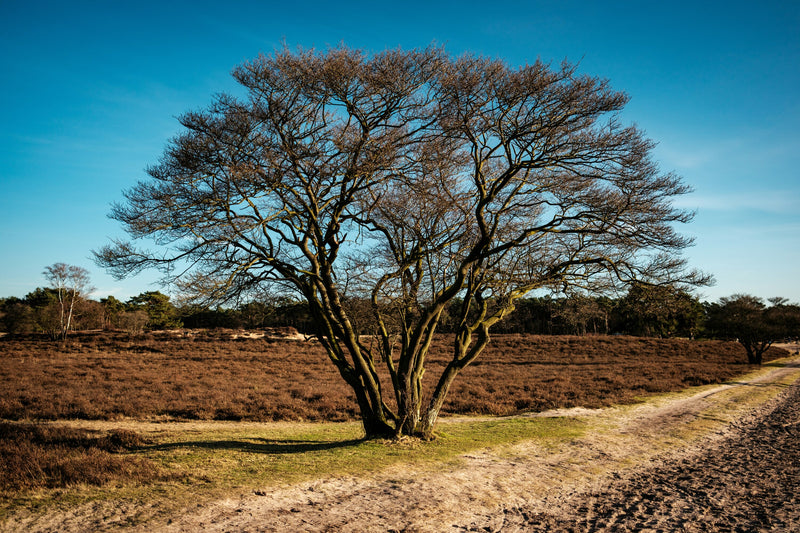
{"points": [[407, 180], [71, 284]]}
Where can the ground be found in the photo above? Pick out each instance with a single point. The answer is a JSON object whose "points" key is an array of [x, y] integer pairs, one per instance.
{"points": [[716, 458], [745, 481]]}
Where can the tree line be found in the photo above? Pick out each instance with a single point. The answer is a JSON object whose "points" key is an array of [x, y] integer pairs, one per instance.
{"points": [[645, 311]]}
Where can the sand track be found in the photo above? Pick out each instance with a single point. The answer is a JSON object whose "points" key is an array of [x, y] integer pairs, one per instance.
{"points": [[748, 480]]}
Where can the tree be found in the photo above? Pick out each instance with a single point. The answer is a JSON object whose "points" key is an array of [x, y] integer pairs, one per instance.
{"points": [[112, 310], [89, 315], [580, 312], [16, 316], [407, 179], [754, 325], [658, 310], [71, 284], [45, 311], [255, 314], [133, 321], [161, 313]]}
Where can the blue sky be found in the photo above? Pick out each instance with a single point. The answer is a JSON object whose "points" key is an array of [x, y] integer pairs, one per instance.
{"points": [[91, 90]]}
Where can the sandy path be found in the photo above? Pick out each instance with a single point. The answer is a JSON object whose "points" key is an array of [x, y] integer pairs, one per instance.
{"points": [[635, 469], [748, 480]]}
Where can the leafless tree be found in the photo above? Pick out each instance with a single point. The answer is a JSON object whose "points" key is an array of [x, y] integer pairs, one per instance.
{"points": [[407, 180], [71, 284]]}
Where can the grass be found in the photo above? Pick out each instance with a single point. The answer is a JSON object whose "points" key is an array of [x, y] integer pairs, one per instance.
{"points": [[46, 456], [723, 404], [106, 377], [273, 456], [729, 401]]}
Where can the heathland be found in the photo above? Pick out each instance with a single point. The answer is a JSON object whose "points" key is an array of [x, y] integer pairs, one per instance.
{"points": [[214, 376], [132, 430]]}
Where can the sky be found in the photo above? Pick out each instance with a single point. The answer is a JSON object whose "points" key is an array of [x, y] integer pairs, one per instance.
{"points": [[91, 92]]}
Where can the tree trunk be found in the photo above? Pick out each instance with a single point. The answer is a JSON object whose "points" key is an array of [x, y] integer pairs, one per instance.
{"points": [[409, 406], [428, 422], [751, 355], [373, 419], [755, 351]]}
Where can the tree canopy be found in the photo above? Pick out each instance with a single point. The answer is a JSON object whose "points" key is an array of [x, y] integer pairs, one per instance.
{"points": [[756, 326], [406, 180]]}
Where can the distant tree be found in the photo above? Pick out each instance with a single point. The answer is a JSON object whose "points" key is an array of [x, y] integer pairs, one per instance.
{"points": [[295, 313], [71, 284], [112, 308], [197, 316], [535, 315], [89, 315], [161, 313], [256, 314], [16, 316], [407, 179], [658, 311], [581, 314], [40, 311], [45, 311], [132, 321], [755, 326]]}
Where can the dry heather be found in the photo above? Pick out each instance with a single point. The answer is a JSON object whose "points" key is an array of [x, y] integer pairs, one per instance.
{"points": [[35, 456], [104, 376]]}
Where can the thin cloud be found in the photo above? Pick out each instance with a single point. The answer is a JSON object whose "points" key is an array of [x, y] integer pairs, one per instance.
{"points": [[772, 201]]}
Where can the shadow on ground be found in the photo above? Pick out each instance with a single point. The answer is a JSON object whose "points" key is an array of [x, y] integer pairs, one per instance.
{"points": [[266, 446]]}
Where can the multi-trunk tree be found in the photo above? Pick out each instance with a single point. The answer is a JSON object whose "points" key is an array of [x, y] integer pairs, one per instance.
{"points": [[406, 180]]}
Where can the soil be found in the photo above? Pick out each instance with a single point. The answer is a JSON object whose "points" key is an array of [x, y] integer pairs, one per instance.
{"points": [[682, 463]]}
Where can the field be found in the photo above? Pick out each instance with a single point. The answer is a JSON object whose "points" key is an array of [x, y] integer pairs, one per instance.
{"points": [[115, 431], [211, 377]]}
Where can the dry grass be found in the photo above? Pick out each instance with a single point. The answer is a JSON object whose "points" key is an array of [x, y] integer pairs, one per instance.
{"points": [[108, 377], [34, 456], [102, 376]]}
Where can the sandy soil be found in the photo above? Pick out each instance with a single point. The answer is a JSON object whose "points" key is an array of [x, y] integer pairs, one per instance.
{"points": [[640, 468]]}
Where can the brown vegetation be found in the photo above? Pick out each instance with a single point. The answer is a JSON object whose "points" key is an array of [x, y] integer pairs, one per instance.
{"points": [[210, 376], [41, 456]]}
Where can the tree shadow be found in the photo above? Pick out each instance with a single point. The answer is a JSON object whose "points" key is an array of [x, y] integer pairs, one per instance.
{"points": [[265, 446]]}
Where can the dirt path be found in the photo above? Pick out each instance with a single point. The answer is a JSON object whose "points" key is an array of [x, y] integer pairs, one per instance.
{"points": [[747, 481], [690, 462]]}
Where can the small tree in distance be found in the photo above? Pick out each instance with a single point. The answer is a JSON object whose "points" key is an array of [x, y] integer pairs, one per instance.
{"points": [[70, 284], [161, 314], [406, 181], [753, 324], [660, 311]]}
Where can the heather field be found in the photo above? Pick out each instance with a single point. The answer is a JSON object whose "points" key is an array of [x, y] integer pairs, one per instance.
{"points": [[214, 376]]}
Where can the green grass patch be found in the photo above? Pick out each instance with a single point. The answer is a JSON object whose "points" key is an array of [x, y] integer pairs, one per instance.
{"points": [[228, 457]]}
